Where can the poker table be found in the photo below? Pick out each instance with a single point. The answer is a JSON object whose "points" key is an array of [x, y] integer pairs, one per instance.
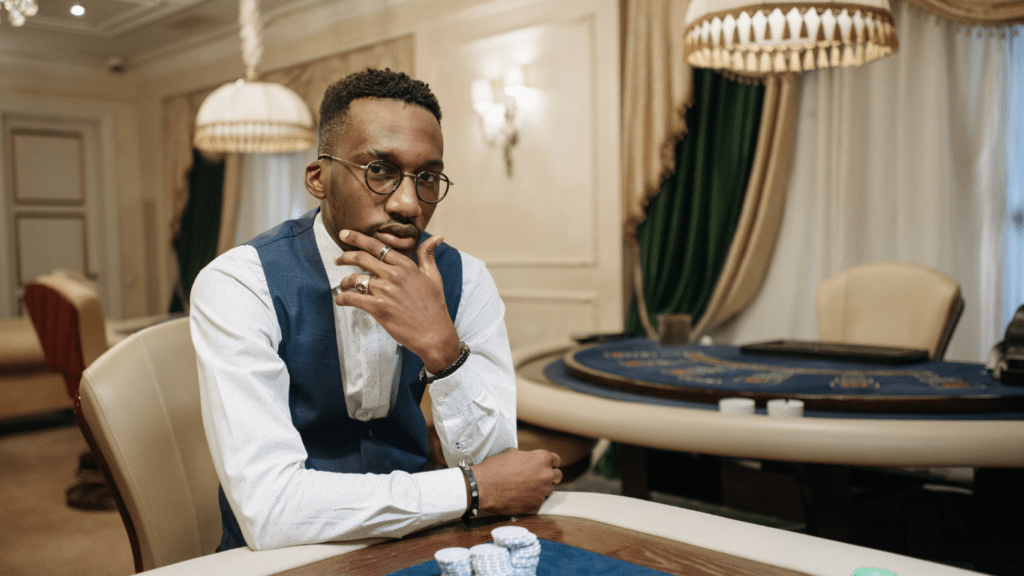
{"points": [[856, 416], [878, 427], [585, 534]]}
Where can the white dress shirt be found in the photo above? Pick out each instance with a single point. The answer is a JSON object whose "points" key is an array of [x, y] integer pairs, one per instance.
{"points": [[258, 453]]}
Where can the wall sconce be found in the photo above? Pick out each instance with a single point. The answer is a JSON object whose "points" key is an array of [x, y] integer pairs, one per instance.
{"points": [[497, 103]]}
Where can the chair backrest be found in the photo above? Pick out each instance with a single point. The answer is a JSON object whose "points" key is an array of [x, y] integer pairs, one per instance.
{"points": [[890, 304], [139, 409], [68, 317]]}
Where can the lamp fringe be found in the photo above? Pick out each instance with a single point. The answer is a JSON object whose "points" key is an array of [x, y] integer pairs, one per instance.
{"points": [[812, 38]]}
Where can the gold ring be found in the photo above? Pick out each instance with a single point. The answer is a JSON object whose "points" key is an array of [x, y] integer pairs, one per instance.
{"points": [[383, 252], [363, 284]]}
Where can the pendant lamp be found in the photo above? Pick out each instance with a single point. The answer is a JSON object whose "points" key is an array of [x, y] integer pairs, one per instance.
{"points": [[762, 37], [252, 116]]}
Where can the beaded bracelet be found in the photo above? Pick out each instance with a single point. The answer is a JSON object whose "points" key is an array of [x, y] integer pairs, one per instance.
{"points": [[449, 370]]}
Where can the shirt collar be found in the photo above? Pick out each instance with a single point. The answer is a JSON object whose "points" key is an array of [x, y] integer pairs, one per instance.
{"points": [[329, 250]]}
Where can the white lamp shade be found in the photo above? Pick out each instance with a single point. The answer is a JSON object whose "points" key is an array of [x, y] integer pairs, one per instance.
{"points": [[253, 117], [759, 37]]}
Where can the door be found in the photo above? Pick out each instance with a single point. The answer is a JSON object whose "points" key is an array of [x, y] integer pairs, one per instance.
{"points": [[53, 204]]}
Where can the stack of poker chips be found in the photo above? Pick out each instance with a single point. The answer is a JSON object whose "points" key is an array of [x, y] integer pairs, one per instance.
{"points": [[491, 560], [523, 548], [454, 562], [515, 552]]}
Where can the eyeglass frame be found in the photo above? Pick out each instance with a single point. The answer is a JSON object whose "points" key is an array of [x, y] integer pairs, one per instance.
{"points": [[398, 183]]}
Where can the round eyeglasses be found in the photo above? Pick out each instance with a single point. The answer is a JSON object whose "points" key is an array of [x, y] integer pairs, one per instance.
{"points": [[383, 177]]}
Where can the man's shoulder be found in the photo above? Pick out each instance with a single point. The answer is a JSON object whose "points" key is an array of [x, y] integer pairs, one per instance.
{"points": [[471, 265], [239, 262], [285, 230]]}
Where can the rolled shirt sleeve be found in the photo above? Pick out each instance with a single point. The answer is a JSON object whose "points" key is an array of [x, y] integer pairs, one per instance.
{"points": [[475, 407]]}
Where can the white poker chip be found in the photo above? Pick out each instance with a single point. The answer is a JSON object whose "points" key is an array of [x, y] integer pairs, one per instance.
{"points": [[491, 560], [454, 561], [449, 555], [513, 536], [531, 548], [457, 570]]}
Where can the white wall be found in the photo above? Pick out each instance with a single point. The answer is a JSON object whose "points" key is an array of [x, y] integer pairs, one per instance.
{"points": [[550, 234], [73, 95]]}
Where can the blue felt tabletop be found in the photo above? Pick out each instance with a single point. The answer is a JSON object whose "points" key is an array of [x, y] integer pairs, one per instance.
{"points": [[725, 369], [557, 559]]}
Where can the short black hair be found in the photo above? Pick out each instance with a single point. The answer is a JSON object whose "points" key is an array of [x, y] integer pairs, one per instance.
{"points": [[370, 83]]}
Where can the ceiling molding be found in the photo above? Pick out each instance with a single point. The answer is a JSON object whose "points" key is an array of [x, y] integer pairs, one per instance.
{"points": [[122, 22]]}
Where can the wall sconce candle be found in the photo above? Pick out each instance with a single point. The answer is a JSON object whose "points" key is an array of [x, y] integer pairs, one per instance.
{"points": [[497, 103]]}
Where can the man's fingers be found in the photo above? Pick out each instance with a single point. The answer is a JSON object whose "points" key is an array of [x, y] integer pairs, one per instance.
{"points": [[426, 253], [368, 252], [364, 260]]}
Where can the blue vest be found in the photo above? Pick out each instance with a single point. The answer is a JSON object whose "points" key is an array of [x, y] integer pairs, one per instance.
{"points": [[304, 305]]}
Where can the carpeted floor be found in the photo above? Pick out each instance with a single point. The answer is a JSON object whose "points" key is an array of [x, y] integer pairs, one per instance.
{"points": [[41, 535]]}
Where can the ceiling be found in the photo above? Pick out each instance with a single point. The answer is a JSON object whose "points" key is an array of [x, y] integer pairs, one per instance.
{"points": [[129, 30]]}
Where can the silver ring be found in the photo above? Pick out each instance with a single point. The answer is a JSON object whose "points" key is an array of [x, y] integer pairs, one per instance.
{"points": [[363, 284], [383, 252]]}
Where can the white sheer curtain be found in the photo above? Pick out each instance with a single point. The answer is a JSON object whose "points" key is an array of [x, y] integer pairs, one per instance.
{"points": [[901, 159], [1013, 273], [272, 191]]}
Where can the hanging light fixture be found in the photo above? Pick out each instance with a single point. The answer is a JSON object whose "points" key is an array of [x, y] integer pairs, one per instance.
{"points": [[18, 10], [759, 37], [252, 116]]}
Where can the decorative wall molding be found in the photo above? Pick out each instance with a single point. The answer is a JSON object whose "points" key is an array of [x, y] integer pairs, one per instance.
{"points": [[529, 262], [550, 296]]}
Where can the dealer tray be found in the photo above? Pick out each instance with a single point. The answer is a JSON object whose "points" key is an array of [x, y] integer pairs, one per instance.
{"points": [[837, 351]]}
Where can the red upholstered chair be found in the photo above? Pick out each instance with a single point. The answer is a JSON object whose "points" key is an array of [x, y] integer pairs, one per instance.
{"points": [[68, 318]]}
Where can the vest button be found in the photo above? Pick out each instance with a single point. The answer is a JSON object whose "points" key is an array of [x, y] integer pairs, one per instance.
{"points": [[368, 432]]}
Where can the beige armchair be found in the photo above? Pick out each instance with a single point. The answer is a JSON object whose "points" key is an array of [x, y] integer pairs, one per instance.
{"points": [[890, 304], [139, 410], [28, 387], [887, 304]]}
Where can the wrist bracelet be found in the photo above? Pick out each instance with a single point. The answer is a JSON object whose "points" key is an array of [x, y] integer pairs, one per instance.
{"points": [[450, 369], [474, 494]]}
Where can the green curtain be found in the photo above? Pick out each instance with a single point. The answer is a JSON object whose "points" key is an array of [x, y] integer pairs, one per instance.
{"points": [[690, 223], [196, 242]]}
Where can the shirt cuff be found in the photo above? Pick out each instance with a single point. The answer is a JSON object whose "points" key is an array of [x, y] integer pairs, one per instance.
{"points": [[444, 493]]}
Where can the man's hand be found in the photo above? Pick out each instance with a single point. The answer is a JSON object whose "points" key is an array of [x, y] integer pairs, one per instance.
{"points": [[406, 299], [514, 482]]}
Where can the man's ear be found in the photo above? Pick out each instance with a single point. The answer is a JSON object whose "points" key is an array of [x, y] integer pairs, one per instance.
{"points": [[316, 180]]}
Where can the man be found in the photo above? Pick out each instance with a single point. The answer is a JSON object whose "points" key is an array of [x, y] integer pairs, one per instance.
{"points": [[315, 342]]}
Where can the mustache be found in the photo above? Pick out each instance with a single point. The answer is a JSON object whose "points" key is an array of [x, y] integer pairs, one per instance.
{"points": [[395, 228]]}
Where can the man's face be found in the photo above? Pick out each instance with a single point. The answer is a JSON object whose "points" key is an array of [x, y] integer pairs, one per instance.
{"points": [[379, 129]]}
